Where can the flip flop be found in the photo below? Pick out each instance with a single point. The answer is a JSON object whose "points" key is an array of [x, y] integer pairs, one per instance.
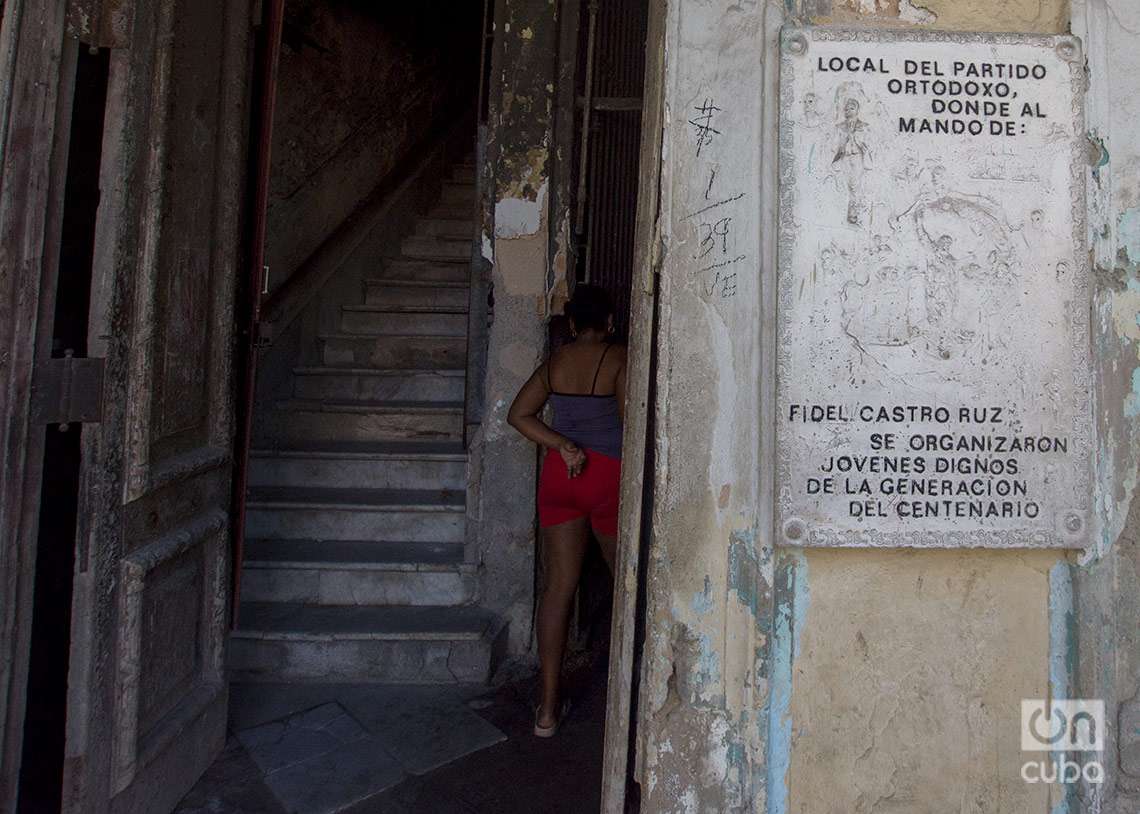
{"points": [[552, 730]]}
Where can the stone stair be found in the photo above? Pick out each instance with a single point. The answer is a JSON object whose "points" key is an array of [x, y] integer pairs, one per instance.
{"points": [[354, 565]]}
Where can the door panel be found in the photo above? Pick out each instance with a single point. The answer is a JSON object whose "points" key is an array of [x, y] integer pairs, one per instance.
{"points": [[32, 107], [179, 366], [147, 686]]}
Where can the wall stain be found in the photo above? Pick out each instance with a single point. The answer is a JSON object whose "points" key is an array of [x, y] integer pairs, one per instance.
{"points": [[702, 600], [745, 578], [792, 598]]}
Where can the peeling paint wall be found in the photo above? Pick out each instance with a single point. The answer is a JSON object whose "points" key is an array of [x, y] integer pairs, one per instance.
{"points": [[701, 727], [1106, 584], [789, 681], [503, 469], [1025, 16], [910, 668]]}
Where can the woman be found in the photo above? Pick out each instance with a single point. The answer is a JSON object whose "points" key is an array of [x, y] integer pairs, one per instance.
{"points": [[578, 488]]}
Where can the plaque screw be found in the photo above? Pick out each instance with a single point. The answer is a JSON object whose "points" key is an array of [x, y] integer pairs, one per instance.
{"points": [[1073, 523], [796, 44], [794, 529], [1066, 50]]}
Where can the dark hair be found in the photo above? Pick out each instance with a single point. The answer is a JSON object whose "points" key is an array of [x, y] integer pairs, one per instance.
{"points": [[590, 308]]}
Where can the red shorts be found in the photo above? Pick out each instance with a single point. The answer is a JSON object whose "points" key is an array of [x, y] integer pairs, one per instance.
{"points": [[593, 494]]}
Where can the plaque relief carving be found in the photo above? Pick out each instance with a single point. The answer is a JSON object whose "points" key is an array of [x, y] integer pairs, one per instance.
{"points": [[933, 342]]}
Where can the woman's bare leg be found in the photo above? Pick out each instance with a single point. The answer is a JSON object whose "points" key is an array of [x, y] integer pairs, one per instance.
{"points": [[563, 549], [608, 544]]}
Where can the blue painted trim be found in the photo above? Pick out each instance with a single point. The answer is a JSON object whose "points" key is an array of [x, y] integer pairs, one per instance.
{"points": [[1062, 655], [791, 599]]}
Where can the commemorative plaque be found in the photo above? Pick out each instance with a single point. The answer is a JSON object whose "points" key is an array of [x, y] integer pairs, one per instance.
{"points": [[933, 358]]}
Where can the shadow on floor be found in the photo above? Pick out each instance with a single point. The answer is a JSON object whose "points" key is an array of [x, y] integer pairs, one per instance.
{"points": [[309, 749]]}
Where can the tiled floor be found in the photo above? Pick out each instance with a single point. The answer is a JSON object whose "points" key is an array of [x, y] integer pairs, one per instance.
{"points": [[311, 749]]}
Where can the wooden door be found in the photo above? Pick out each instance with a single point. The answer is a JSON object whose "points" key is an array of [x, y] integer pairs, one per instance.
{"points": [[147, 688], [32, 106]]}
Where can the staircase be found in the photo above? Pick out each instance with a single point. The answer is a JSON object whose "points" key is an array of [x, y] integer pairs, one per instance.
{"points": [[354, 565]]}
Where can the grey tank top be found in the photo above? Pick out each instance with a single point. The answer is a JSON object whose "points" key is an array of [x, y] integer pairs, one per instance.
{"points": [[590, 421]]}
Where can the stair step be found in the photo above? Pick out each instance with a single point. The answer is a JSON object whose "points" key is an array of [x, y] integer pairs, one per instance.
{"points": [[347, 585], [377, 384], [454, 270], [354, 573], [458, 192], [314, 420], [435, 246], [356, 499], [451, 211], [419, 645], [399, 320], [387, 556], [272, 620], [384, 352], [390, 465], [464, 173], [297, 513], [390, 291], [453, 228]]}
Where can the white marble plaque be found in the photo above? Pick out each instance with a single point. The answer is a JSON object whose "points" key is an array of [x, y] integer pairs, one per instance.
{"points": [[933, 307]]}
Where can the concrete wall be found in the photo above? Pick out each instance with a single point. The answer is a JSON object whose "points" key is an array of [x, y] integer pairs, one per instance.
{"points": [[908, 678], [701, 728], [360, 86], [783, 680], [1106, 583], [1025, 16], [501, 508], [908, 668]]}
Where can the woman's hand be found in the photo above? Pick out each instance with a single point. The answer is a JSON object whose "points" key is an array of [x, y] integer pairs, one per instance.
{"points": [[523, 416], [574, 457]]}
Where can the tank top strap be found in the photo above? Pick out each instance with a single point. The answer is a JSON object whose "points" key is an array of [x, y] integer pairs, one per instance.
{"points": [[594, 384]]}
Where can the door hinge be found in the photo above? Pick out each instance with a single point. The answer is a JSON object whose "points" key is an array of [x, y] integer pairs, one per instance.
{"points": [[67, 391]]}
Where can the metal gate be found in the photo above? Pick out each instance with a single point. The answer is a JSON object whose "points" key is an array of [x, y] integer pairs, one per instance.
{"points": [[613, 78]]}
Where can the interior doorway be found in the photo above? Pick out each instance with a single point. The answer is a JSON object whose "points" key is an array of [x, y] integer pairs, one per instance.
{"points": [[350, 507], [360, 111], [607, 134], [601, 187], [355, 568]]}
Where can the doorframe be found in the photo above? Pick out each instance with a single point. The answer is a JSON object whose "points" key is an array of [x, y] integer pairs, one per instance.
{"points": [[637, 476], [32, 111], [264, 83]]}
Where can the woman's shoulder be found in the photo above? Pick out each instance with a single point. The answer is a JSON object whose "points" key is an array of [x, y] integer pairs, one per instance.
{"points": [[584, 356], [560, 354], [614, 363], [617, 352]]}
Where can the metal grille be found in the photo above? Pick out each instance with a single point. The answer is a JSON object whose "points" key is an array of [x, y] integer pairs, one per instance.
{"points": [[613, 149]]}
